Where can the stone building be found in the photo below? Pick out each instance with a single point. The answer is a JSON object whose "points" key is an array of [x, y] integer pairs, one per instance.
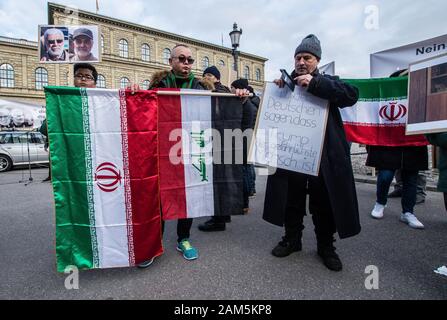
{"points": [[129, 53]]}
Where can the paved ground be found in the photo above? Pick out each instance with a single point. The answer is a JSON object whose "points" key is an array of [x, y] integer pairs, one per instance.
{"points": [[235, 264]]}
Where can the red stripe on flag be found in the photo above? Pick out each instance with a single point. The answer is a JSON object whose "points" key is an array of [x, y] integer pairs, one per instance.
{"points": [[172, 176], [143, 168], [374, 135]]}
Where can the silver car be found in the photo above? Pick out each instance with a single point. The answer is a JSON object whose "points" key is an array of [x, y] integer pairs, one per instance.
{"points": [[14, 149]]}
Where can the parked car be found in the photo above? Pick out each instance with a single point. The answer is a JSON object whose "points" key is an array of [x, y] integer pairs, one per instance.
{"points": [[14, 149]]}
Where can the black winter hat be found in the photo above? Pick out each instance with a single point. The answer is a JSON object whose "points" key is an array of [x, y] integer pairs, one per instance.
{"points": [[240, 83], [310, 44], [213, 70]]}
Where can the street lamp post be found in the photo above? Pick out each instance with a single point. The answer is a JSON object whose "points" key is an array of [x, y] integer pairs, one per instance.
{"points": [[235, 36]]}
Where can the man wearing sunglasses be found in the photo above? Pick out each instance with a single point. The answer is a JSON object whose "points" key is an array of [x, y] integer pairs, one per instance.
{"points": [[54, 46], [332, 195]]}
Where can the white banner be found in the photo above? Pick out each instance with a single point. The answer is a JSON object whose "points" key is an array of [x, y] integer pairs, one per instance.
{"points": [[17, 115], [328, 68], [384, 63]]}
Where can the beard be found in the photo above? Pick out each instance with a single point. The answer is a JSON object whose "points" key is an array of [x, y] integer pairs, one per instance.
{"points": [[82, 53], [56, 52]]}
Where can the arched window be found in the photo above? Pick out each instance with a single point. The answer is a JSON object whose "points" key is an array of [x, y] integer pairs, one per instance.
{"points": [[102, 44], [205, 62], [166, 55], [145, 52], [221, 63], [124, 82], [247, 72], [101, 83], [145, 85], [258, 75], [41, 78], [6, 76], [124, 48]]}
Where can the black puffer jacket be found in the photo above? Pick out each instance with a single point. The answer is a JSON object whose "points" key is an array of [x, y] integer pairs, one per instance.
{"points": [[393, 158]]}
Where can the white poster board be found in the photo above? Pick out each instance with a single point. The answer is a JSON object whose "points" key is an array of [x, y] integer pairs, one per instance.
{"points": [[428, 102], [384, 63], [69, 44], [290, 129]]}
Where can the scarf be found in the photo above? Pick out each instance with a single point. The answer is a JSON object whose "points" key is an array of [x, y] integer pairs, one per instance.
{"points": [[172, 80]]}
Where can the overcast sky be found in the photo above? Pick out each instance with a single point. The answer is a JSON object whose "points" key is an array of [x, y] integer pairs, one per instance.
{"points": [[271, 29]]}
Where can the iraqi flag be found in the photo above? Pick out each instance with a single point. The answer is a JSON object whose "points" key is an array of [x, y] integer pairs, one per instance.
{"points": [[105, 176], [380, 115], [195, 181]]}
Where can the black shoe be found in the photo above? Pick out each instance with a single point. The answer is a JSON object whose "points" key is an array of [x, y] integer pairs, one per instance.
{"points": [[285, 248], [395, 194], [211, 225], [420, 199], [330, 258], [46, 179]]}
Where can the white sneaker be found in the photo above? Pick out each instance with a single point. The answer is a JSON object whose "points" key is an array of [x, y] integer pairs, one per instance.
{"points": [[411, 220], [377, 212]]}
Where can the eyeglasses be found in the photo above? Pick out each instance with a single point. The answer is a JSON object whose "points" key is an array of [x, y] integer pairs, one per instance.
{"points": [[183, 59], [86, 77], [54, 41]]}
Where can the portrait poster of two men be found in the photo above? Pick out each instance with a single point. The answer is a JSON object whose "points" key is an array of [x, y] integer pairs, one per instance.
{"points": [[68, 44]]}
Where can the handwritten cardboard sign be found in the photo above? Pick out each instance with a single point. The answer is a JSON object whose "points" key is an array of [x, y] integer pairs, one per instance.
{"points": [[290, 128]]}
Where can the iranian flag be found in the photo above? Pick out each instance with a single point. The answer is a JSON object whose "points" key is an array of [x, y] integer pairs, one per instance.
{"points": [[105, 176], [195, 181], [380, 115]]}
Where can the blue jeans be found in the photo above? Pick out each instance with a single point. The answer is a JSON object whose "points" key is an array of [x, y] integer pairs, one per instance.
{"points": [[409, 188]]}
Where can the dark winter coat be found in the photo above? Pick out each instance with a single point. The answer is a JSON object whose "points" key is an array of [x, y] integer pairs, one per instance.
{"points": [[335, 167], [440, 140], [393, 158]]}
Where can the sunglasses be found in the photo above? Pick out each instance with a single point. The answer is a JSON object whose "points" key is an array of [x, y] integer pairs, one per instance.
{"points": [[54, 41], [183, 59]]}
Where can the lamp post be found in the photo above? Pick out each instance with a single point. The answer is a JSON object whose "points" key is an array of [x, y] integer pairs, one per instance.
{"points": [[235, 36]]}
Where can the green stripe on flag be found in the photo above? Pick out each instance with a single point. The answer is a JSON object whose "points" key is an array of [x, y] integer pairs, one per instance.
{"points": [[66, 127], [383, 89]]}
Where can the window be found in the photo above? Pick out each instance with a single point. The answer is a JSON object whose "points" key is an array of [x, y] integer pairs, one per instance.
{"points": [[124, 48], [101, 83], [247, 72], [221, 63], [145, 85], [102, 44], [6, 76], [258, 75], [205, 62], [166, 55], [145, 52], [41, 78], [124, 82]]}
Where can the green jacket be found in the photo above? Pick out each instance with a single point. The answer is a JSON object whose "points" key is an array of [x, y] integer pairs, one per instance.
{"points": [[440, 140]]}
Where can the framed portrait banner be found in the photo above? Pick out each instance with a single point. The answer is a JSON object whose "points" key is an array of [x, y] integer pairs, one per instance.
{"points": [[69, 44], [290, 129], [427, 96]]}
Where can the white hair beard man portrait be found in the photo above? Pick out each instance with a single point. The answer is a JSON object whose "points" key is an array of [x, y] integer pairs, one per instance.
{"points": [[54, 46]]}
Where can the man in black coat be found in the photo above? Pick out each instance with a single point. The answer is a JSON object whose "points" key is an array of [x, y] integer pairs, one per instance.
{"points": [[332, 195]]}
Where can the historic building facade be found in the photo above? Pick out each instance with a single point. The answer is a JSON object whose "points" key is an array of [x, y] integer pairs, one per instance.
{"points": [[129, 53]]}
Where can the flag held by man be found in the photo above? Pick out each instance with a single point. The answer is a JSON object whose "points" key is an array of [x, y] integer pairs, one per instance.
{"points": [[103, 146]]}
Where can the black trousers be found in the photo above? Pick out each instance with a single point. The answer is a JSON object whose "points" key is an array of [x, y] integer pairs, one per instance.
{"points": [[183, 228], [299, 185]]}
